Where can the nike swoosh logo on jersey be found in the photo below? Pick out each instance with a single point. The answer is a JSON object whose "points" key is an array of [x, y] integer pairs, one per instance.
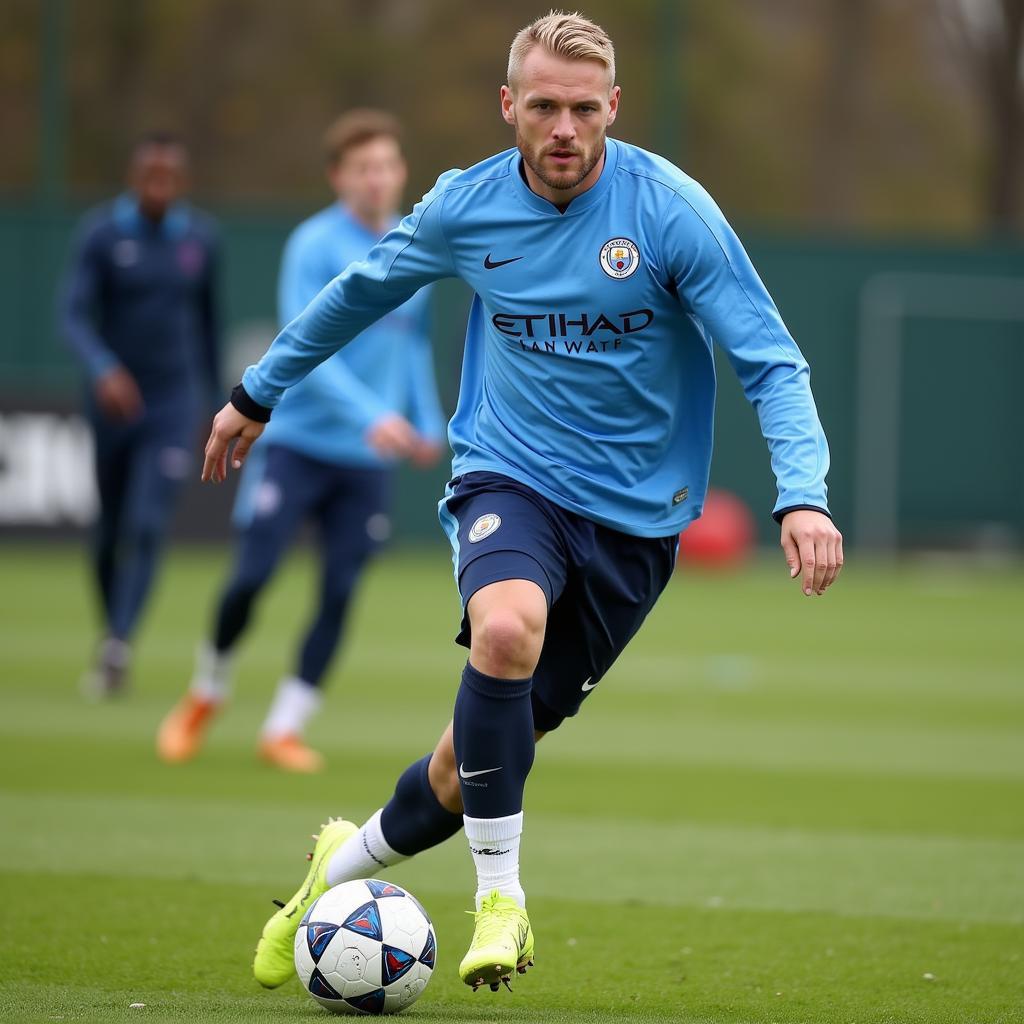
{"points": [[489, 265], [588, 685], [483, 771]]}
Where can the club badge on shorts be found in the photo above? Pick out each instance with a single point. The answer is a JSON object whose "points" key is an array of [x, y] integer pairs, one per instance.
{"points": [[484, 527], [619, 258]]}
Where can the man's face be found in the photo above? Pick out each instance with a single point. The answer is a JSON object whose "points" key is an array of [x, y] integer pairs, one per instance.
{"points": [[158, 177], [561, 110], [370, 178]]}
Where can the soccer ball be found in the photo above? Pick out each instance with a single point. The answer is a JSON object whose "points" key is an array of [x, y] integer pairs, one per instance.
{"points": [[365, 947]]}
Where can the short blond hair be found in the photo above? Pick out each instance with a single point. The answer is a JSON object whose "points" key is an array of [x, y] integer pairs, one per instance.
{"points": [[567, 35]]}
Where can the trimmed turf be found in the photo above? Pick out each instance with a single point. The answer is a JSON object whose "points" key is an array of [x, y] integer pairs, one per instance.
{"points": [[773, 809]]}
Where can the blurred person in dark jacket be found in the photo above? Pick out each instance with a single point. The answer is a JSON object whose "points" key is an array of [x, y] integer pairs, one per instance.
{"points": [[138, 309]]}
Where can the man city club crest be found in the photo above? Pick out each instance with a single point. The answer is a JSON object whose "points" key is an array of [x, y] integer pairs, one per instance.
{"points": [[619, 258], [484, 527]]}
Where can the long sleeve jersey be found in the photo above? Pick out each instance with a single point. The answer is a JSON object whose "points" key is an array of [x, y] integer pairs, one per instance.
{"points": [[588, 371]]}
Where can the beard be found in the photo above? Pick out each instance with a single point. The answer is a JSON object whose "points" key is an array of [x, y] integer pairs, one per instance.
{"points": [[561, 180]]}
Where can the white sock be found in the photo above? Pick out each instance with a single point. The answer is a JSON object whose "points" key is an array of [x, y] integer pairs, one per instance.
{"points": [[294, 703], [494, 843], [363, 855], [212, 677]]}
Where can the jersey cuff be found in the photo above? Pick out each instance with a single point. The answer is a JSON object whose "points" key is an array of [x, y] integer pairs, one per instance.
{"points": [[782, 512], [247, 406]]}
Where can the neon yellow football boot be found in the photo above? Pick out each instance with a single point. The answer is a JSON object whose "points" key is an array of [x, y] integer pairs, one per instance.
{"points": [[502, 943], [274, 963]]}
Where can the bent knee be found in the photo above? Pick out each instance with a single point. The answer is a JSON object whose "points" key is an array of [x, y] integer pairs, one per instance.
{"points": [[507, 642]]}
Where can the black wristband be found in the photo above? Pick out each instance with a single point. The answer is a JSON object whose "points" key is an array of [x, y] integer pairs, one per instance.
{"points": [[247, 407], [778, 516]]}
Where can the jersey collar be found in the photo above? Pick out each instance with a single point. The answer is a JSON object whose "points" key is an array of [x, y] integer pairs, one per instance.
{"points": [[130, 220], [581, 203]]}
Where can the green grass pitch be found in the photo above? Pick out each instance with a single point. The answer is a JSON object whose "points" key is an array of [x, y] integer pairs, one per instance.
{"points": [[774, 809]]}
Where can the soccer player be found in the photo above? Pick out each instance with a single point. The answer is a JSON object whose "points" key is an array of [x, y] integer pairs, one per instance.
{"points": [[330, 450], [137, 307], [582, 443]]}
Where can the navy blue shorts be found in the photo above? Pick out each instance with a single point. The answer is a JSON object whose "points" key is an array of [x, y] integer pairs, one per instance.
{"points": [[600, 584], [281, 488]]}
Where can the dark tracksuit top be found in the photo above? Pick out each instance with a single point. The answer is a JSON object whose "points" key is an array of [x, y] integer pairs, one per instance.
{"points": [[141, 295]]}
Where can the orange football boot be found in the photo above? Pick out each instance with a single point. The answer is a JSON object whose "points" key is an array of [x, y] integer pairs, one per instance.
{"points": [[290, 753], [182, 732]]}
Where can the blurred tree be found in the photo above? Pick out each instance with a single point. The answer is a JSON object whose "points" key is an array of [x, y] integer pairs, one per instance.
{"points": [[991, 35], [807, 113], [21, 37], [846, 46]]}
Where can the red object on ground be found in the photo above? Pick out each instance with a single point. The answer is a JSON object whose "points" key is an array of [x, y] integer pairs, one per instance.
{"points": [[724, 534]]}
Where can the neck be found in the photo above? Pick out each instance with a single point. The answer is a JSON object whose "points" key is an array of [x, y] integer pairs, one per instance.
{"points": [[375, 222], [153, 215], [562, 197]]}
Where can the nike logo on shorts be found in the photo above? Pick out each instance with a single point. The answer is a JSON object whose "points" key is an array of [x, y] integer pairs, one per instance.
{"points": [[588, 685], [463, 774]]}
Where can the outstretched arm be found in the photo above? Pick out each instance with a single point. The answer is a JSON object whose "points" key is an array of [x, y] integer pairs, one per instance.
{"points": [[412, 255], [716, 280]]}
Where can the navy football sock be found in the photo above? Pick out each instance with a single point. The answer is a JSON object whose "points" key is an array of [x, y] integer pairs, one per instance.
{"points": [[233, 613], [414, 819], [494, 743]]}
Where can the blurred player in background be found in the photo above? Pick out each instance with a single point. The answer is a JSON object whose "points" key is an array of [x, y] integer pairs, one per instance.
{"points": [[138, 308], [330, 451], [582, 443]]}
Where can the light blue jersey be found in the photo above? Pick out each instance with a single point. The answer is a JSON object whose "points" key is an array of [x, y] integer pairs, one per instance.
{"points": [[588, 371], [387, 369]]}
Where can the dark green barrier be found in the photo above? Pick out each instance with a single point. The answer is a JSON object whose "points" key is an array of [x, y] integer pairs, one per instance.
{"points": [[925, 448]]}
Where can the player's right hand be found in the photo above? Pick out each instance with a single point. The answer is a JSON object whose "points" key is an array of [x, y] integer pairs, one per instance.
{"points": [[392, 437], [228, 425], [118, 396]]}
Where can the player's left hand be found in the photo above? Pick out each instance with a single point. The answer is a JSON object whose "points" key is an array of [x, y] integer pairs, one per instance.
{"points": [[813, 547], [228, 425]]}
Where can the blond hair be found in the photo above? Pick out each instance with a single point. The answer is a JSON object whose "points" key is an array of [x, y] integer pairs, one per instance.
{"points": [[567, 35]]}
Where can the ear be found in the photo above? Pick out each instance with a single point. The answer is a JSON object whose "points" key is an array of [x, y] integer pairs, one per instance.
{"points": [[613, 105], [508, 109]]}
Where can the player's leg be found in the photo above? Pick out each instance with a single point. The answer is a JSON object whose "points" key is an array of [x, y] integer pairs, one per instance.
{"points": [[512, 560], [155, 465], [414, 819], [426, 807], [424, 810], [604, 604], [111, 464], [112, 458], [280, 495], [494, 741], [160, 462], [493, 726], [353, 522]]}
